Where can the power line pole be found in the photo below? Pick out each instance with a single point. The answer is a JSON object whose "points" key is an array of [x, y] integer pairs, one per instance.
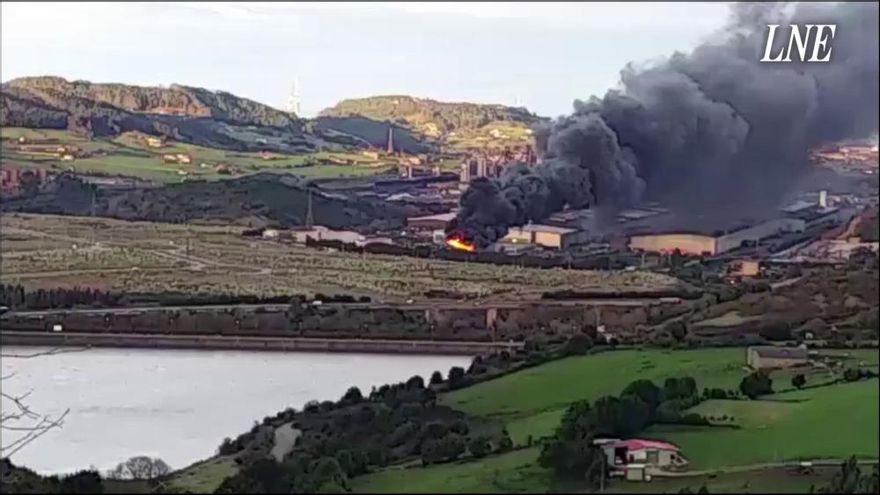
{"points": [[94, 221]]}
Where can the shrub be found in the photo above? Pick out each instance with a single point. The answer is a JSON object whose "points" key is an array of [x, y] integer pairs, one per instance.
{"points": [[577, 345], [755, 384], [479, 447]]}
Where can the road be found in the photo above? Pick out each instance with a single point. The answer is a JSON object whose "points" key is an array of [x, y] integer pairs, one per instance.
{"points": [[251, 343], [755, 467]]}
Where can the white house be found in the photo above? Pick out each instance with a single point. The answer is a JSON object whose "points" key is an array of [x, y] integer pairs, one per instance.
{"points": [[641, 456]]}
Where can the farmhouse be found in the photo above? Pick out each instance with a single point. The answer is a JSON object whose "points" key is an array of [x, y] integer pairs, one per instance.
{"points": [[763, 357], [635, 458]]}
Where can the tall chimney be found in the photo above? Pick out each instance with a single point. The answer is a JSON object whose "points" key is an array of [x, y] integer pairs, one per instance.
{"points": [[465, 175], [823, 198]]}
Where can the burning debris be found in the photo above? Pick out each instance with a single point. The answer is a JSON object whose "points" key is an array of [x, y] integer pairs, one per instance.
{"points": [[711, 131], [457, 242]]}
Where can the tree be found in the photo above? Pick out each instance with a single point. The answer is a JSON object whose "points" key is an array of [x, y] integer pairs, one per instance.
{"points": [[505, 444], [645, 390], [22, 425], [352, 396], [140, 468], [415, 383], [446, 449], [577, 345], [326, 474], [851, 480], [852, 374], [81, 482], [436, 378], [798, 381], [456, 376], [479, 447], [756, 384], [30, 183], [677, 329], [263, 476]]}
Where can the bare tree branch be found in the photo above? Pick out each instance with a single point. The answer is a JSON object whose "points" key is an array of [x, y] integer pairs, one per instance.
{"points": [[34, 432], [22, 418]]}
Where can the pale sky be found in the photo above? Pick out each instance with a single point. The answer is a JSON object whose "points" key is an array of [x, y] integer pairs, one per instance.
{"points": [[544, 54]]}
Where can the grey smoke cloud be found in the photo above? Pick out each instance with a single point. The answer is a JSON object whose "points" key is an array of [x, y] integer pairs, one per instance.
{"points": [[706, 131]]}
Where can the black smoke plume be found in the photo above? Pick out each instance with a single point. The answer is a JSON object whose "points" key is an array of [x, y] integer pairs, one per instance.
{"points": [[709, 131]]}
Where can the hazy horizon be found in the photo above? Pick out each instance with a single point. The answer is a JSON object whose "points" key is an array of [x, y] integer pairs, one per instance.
{"points": [[542, 56]]}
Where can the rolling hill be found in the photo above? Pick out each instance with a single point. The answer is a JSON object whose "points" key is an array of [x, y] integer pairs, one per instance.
{"points": [[455, 125], [257, 200], [186, 114]]}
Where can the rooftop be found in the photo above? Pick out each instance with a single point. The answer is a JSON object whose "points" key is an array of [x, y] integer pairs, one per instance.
{"points": [[780, 352], [442, 217], [640, 444], [809, 214], [535, 227]]}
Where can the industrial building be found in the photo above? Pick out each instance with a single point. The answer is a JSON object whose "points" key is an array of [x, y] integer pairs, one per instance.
{"points": [[491, 165], [430, 222], [698, 243], [815, 216], [299, 235], [544, 235]]}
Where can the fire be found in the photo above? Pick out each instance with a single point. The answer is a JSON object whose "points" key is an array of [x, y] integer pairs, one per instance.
{"points": [[457, 242]]}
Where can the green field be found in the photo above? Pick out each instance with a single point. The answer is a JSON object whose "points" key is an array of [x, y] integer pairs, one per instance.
{"points": [[203, 477], [128, 155], [514, 472], [532, 401], [772, 480], [825, 422]]}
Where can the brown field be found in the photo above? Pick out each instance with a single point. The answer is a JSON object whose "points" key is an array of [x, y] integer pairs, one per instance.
{"points": [[51, 251]]}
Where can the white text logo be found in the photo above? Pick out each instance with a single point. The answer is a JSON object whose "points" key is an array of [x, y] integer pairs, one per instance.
{"points": [[817, 35]]}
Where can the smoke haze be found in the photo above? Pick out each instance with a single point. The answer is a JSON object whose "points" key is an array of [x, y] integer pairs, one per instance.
{"points": [[710, 131]]}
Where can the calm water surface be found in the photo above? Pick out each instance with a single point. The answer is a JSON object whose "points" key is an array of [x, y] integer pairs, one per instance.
{"points": [[179, 404]]}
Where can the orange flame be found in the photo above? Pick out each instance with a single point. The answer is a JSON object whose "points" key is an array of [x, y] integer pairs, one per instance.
{"points": [[460, 244]]}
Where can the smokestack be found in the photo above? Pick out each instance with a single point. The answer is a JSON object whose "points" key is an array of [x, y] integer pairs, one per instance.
{"points": [[481, 167], [823, 198], [465, 174], [696, 132]]}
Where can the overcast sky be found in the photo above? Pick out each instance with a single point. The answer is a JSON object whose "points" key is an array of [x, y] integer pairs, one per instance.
{"points": [[546, 54]]}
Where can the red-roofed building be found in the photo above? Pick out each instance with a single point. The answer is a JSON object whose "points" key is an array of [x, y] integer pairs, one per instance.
{"points": [[650, 455]]}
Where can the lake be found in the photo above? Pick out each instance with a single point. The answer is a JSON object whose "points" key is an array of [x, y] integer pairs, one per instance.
{"points": [[179, 405]]}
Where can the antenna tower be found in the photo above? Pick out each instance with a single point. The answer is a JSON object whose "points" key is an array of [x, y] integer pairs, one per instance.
{"points": [[293, 101]]}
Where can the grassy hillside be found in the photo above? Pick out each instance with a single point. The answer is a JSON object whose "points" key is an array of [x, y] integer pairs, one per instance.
{"points": [[820, 423], [373, 133], [533, 400], [825, 422], [457, 127], [430, 117], [514, 472], [129, 155], [263, 199]]}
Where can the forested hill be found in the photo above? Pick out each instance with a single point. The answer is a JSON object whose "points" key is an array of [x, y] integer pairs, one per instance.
{"points": [[429, 117], [174, 100], [186, 114]]}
